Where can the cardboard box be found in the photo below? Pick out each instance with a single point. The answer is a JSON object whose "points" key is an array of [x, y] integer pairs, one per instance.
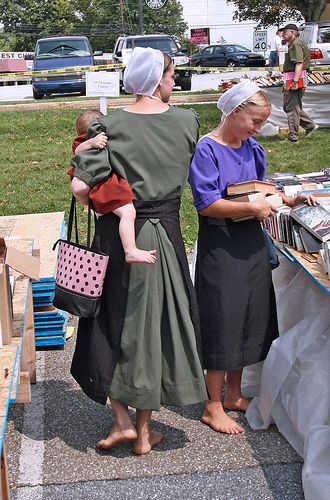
{"points": [[24, 264]]}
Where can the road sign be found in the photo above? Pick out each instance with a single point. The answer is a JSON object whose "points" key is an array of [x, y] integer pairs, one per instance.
{"points": [[260, 41]]}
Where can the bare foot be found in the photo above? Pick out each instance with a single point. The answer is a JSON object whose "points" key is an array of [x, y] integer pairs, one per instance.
{"points": [[219, 421], [145, 443], [116, 436], [238, 402], [137, 256]]}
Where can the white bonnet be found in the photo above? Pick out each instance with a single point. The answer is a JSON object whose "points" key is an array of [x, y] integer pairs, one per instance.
{"points": [[235, 96], [144, 71]]}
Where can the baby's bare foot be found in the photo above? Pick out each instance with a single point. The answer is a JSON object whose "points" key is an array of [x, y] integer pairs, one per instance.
{"points": [[116, 436], [140, 256], [219, 421], [144, 444]]}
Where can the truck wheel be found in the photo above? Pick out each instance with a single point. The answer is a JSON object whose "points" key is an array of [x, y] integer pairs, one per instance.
{"points": [[36, 95], [186, 84]]}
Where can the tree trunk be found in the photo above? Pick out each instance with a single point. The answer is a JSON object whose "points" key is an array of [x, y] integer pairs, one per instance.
{"points": [[311, 9]]}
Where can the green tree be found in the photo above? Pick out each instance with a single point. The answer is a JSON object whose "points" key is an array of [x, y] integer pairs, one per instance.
{"points": [[24, 21], [274, 12]]}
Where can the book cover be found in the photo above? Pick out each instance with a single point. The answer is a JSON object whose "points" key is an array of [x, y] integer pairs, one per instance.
{"points": [[250, 187], [309, 242], [298, 244], [315, 219]]}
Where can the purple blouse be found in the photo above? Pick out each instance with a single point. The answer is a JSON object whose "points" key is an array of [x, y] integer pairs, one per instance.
{"points": [[214, 166]]}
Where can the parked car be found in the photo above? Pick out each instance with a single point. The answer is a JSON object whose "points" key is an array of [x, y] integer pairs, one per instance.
{"points": [[317, 37], [227, 55], [60, 52], [166, 43]]}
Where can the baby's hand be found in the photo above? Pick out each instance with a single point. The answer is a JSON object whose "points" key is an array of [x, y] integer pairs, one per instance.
{"points": [[99, 141]]}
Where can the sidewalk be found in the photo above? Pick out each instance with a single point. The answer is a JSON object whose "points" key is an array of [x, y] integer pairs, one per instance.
{"points": [[52, 455]]}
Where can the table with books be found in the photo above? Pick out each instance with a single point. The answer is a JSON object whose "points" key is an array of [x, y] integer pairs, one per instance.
{"points": [[291, 389]]}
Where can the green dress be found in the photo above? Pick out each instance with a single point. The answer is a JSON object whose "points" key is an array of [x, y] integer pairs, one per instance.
{"points": [[158, 362]]}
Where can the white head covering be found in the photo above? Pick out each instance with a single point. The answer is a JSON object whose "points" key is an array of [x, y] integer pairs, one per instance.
{"points": [[235, 96], [144, 71]]}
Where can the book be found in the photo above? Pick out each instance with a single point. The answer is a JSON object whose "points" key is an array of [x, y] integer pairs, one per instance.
{"points": [[298, 244], [321, 260], [250, 187], [310, 243], [315, 219], [280, 176], [323, 192], [274, 200]]}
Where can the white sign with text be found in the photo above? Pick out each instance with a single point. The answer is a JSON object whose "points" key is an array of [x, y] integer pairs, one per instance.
{"points": [[102, 83]]}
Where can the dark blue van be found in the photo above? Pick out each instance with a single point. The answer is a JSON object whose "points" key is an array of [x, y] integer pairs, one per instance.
{"points": [[61, 52]]}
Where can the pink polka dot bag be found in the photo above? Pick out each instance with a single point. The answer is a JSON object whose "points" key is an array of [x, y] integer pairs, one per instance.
{"points": [[80, 272]]}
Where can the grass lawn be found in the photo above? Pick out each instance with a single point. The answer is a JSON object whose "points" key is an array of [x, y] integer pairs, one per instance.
{"points": [[36, 149]]}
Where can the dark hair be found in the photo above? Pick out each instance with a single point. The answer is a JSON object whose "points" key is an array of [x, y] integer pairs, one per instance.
{"points": [[85, 119], [167, 62]]}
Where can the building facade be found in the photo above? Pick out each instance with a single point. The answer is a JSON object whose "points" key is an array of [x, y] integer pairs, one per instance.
{"points": [[217, 16]]}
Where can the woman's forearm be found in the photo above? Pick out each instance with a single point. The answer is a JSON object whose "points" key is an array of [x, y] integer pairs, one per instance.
{"points": [[227, 208]]}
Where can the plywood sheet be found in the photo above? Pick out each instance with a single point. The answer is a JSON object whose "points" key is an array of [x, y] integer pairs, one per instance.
{"points": [[43, 228]]}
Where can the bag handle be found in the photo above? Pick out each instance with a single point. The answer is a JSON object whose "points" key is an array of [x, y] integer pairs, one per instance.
{"points": [[73, 222]]}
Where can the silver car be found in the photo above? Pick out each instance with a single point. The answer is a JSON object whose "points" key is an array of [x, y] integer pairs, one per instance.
{"points": [[317, 37]]}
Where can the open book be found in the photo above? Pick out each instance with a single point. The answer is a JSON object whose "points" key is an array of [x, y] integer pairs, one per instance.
{"points": [[315, 219]]}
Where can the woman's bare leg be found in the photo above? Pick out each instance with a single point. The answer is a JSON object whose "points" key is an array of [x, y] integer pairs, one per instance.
{"points": [[214, 414], [234, 399], [147, 438], [123, 429]]}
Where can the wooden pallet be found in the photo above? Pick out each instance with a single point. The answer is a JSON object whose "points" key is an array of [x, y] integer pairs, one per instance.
{"points": [[17, 360]]}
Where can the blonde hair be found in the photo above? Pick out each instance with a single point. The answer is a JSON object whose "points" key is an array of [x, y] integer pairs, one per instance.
{"points": [[258, 99], [85, 119]]}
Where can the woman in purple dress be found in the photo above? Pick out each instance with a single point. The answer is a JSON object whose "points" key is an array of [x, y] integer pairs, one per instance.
{"points": [[233, 274]]}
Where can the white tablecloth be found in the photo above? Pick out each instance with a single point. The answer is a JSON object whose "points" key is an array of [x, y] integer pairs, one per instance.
{"points": [[295, 377], [316, 103]]}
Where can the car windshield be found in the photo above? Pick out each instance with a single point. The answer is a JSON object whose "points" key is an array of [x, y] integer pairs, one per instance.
{"points": [[165, 44], [323, 35], [236, 48], [62, 48]]}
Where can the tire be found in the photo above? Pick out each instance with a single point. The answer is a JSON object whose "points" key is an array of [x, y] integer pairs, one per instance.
{"points": [[36, 95], [231, 63], [186, 83]]}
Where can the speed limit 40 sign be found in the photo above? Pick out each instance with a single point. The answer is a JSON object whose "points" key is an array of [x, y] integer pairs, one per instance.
{"points": [[260, 41]]}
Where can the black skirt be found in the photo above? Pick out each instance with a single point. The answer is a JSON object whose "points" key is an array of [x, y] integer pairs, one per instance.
{"points": [[235, 294]]}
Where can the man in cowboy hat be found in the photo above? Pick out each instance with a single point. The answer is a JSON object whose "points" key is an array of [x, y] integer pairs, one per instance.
{"points": [[296, 64]]}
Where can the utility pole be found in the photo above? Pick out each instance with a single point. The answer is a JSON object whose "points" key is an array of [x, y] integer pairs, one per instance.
{"points": [[121, 10], [141, 17]]}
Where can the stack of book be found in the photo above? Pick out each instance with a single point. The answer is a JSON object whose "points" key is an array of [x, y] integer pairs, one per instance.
{"points": [[304, 228], [290, 184], [249, 191]]}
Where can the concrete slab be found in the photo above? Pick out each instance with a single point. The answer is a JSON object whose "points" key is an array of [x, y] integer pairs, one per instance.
{"points": [[51, 443], [281, 482]]}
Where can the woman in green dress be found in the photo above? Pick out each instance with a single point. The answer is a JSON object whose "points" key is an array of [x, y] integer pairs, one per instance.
{"points": [[142, 350]]}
